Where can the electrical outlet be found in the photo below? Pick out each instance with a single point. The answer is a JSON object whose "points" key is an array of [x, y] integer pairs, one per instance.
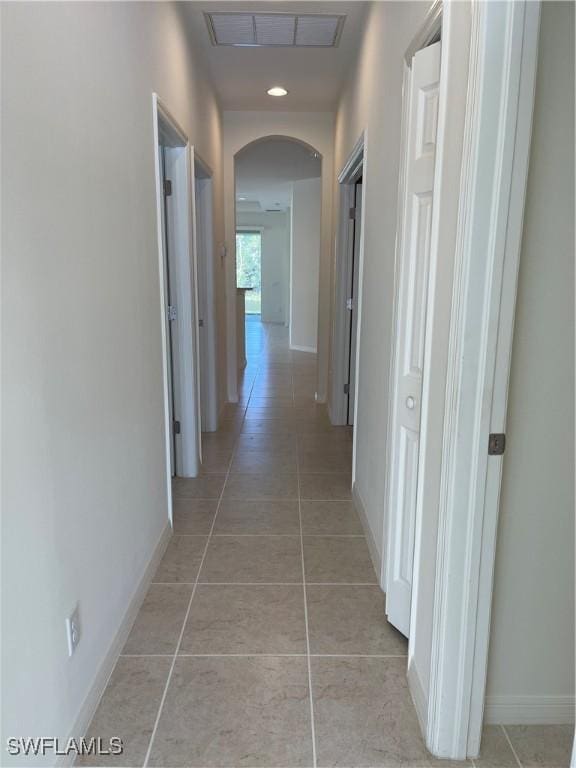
{"points": [[73, 630]]}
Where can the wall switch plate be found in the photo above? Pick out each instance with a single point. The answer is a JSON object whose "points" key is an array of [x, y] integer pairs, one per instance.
{"points": [[73, 630]]}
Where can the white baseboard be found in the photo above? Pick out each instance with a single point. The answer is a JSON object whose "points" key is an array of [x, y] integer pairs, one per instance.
{"points": [[529, 710], [418, 696], [298, 348], [98, 686], [372, 548]]}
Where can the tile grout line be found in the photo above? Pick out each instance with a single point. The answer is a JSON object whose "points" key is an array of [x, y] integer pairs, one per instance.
{"points": [[267, 583], [236, 444], [308, 658], [267, 655], [176, 652], [276, 535], [262, 498], [507, 737]]}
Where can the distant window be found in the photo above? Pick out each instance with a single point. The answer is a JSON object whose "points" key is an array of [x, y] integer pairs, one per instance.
{"points": [[249, 268]]}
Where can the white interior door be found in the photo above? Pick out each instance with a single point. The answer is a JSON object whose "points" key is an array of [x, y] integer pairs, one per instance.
{"points": [[411, 329]]}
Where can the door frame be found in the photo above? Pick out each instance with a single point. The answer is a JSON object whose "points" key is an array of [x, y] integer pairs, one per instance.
{"points": [[496, 157], [204, 259], [489, 55], [353, 169], [187, 457]]}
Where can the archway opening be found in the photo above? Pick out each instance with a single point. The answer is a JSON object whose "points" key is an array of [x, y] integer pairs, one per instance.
{"points": [[277, 243]]}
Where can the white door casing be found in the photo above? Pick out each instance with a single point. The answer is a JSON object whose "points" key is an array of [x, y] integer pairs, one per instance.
{"points": [[204, 257], [353, 169], [172, 367], [414, 251], [354, 296]]}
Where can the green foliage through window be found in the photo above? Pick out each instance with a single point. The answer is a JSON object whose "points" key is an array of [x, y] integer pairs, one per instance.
{"points": [[248, 268]]}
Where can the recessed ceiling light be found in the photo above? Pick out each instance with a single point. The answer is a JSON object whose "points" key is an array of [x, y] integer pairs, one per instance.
{"points": [[241, 198], [277, 91]]}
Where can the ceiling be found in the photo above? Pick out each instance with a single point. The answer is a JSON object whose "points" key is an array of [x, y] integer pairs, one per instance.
{"points": [[313, 76], [265, 172]]}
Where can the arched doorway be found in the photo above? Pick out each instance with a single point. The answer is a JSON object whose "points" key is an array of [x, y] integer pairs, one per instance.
{"points": [[277, 213]]}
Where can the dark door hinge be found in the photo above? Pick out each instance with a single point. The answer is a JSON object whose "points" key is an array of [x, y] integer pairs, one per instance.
{"points": [[346, 389], [496, 444], [167, 187], [176, 427], [352, 213]]}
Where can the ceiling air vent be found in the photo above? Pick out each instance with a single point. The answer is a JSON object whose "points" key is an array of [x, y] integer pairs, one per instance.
{"points": [[275, 29], [317, 30]]}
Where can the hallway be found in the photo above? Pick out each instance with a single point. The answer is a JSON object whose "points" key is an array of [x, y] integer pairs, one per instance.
{"points": [[262, 640], [266, 590], [194, 557]]}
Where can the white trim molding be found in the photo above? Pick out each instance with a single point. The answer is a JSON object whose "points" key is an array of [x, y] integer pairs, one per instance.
{"points": [[206, 282], [419, 696], [352, 168], [428, 33], [375, 555], [529, 710], [495, 155], [299, 348]]}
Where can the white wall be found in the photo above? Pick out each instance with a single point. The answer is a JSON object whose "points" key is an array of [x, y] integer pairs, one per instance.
{"points": [[372, 102], [317, 130], [532, 639], [83, 463], [305, 264], [275, 262]]}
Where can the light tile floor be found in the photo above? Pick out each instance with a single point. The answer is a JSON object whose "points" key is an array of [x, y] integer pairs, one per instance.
{"points": [[263, 639]]}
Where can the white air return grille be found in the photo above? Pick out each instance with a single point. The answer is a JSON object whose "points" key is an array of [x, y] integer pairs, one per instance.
{"points": [[317, 30], [275, 29], [233, 28]]}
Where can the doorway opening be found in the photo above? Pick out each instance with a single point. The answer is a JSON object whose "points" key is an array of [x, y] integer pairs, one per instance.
{"points": [[352, 303], [277, 241], [348, 289], [249, 268], [178, 286]]}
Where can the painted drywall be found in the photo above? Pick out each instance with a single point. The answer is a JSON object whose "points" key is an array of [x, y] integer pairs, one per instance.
{"points": [[265, 172], [372, 102], [275, 262], [532, 639], [305, 264], [83, 461], [317, 130]]}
